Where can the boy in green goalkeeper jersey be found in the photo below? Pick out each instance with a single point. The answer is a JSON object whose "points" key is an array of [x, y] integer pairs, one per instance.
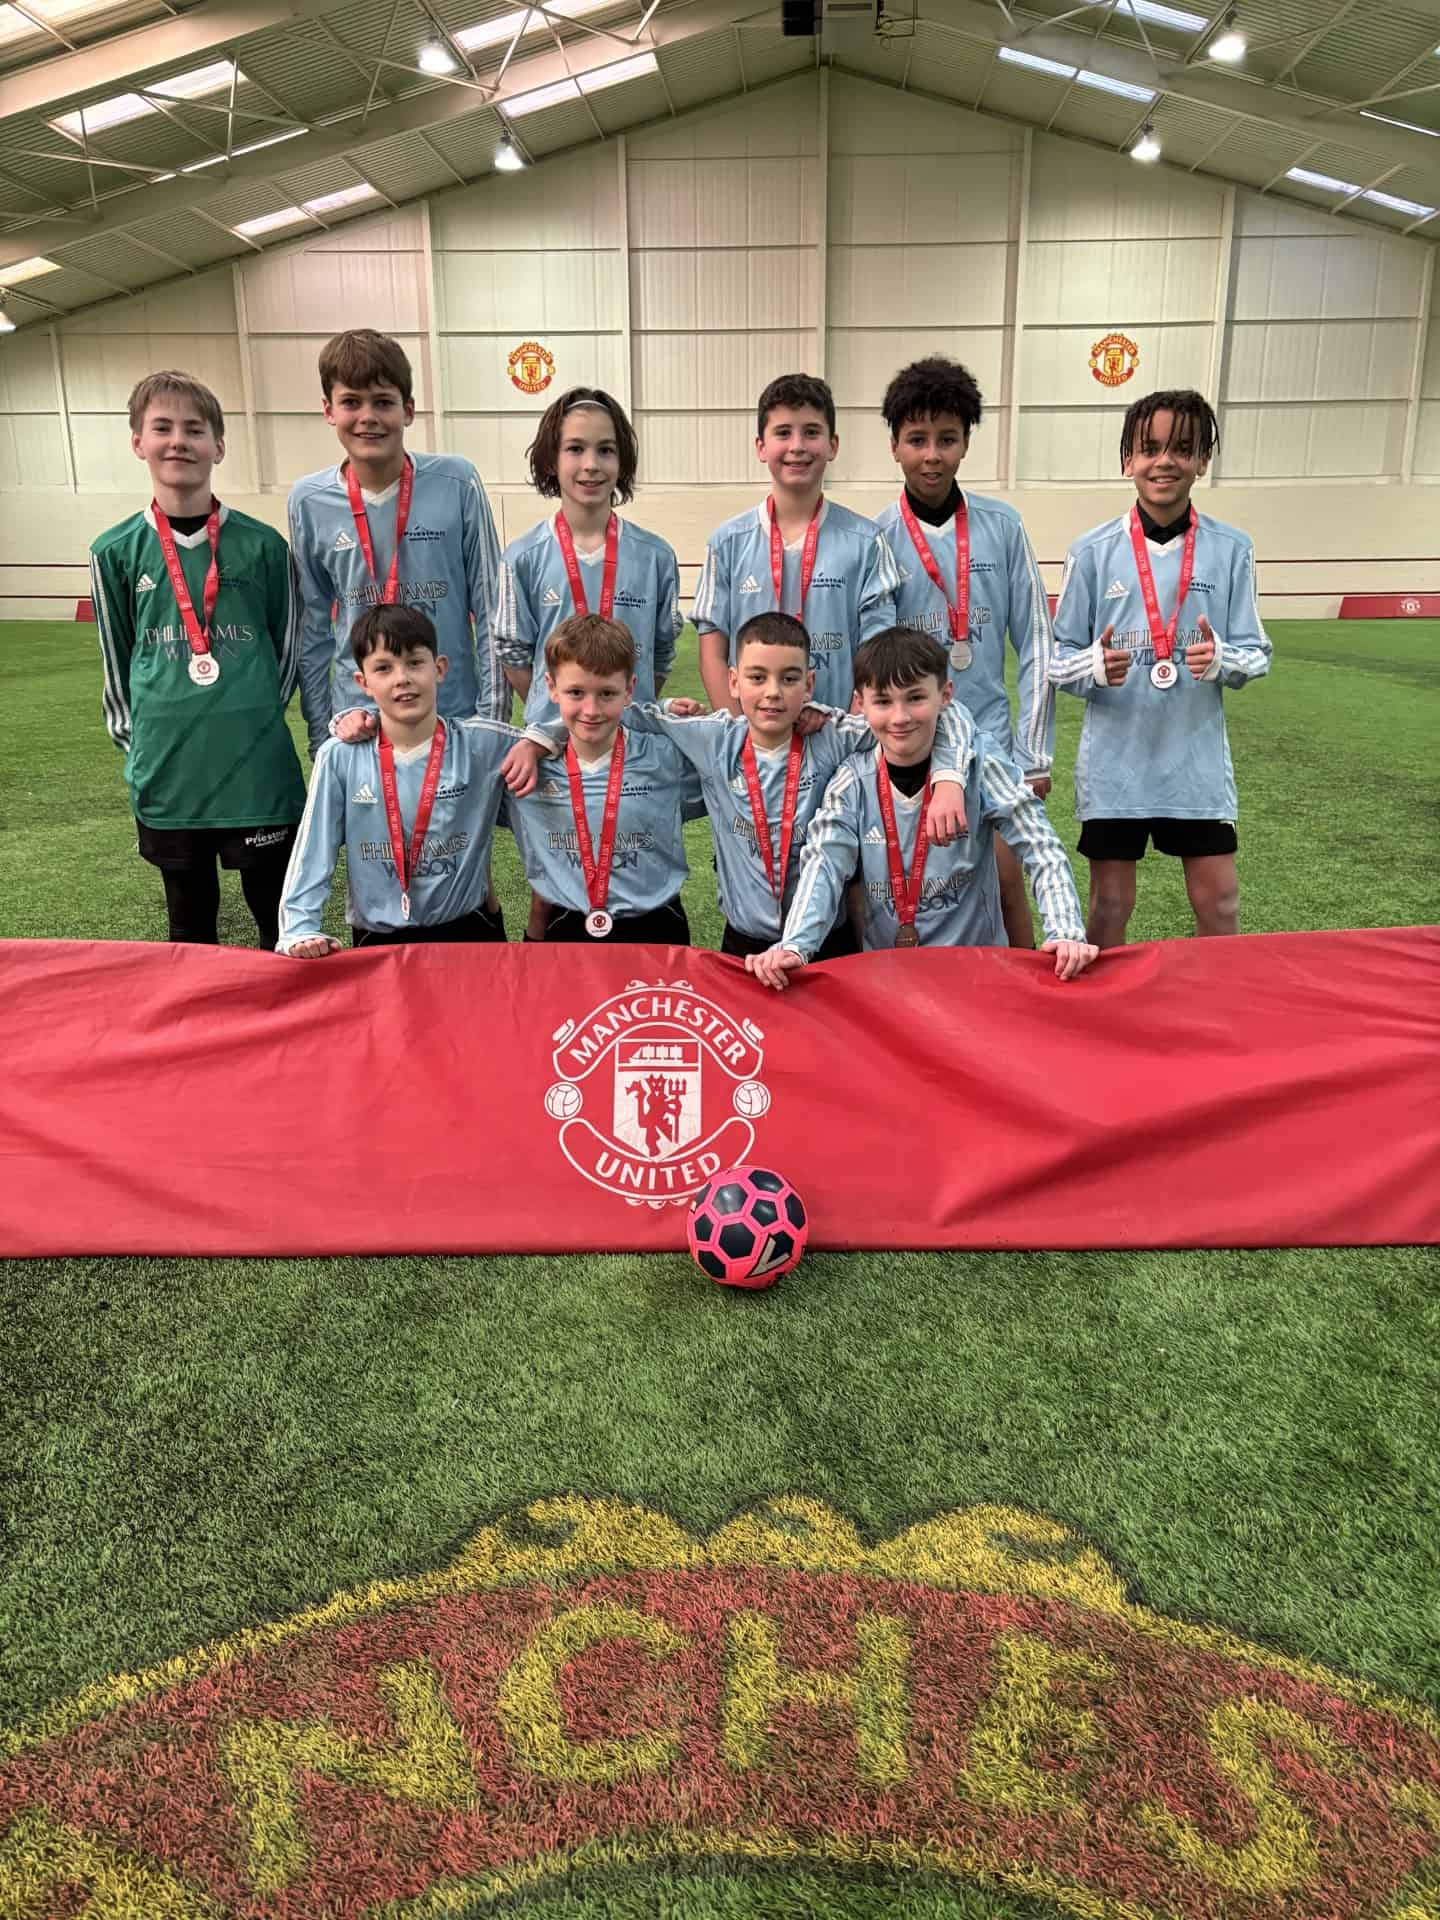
{"points": [[199, 616]]}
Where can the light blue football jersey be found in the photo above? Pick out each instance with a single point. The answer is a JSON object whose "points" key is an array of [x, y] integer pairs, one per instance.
{"points": [[1006, 596], [714, 745], [1147, 752], [658, 789], [534, 596], [960, 894], [851, 597], [346, 808], [448, 570]]}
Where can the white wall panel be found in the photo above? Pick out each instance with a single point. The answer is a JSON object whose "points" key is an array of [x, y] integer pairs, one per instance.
{"points": [[1055, 365], [1120, 282], [691, 287], [1318, 442], [932, 286], [1318, 360], [1337, 276], [1080, 194], [206, 303], [862, 364], [1427, 441], [876, 197], [320, 291], [714, 370], [778, 122], [286, 372], [100, 369], [528, 293], [687, 449], [27, 373], [725, 202], [570, 202], [32, 452], [868, 119], [1075, 446]]}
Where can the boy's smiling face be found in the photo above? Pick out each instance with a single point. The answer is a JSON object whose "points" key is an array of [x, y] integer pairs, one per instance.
{"points": [[590, 705], [403, 685], [177, 444], [772, 684], [929, 449], [369, 422], [795, 449], [1165, 465], [904, 719]]}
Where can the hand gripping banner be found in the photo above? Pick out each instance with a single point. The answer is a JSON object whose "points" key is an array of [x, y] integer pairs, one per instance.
{"points": [[1273, 1090]]}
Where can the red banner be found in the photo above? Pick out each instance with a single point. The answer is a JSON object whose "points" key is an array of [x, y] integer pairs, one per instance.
{"points": [[1272, 1090]]}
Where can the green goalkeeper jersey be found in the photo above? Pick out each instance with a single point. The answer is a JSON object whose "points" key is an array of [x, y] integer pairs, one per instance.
{"points": [[201, 756]]}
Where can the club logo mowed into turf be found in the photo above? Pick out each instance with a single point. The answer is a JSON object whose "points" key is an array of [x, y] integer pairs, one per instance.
{"points": [[588, 1685], [656, 1089]]}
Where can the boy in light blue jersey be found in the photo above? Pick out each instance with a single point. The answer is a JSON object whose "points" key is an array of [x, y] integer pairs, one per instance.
{"points": [[931, 408], [424, 875], [1154, 759], [344, 542], [873, 816], [797, 552], [772, 683], [600, 831], [585, 455]]}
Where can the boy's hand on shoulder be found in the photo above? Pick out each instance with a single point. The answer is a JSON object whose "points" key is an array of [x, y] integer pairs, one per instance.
{"points": [[1072, 957], [683, 709], [520, 767], [356, 724], [1039, 784], [773, 967], [1200, 654], [320, 947], [946, 820], [811, 720], [1117, 659]]}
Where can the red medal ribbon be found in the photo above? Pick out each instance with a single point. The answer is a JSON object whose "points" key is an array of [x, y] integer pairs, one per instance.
{"points": [[405, 868], [787, 809], [390, 593], [596, 871], [906, 894], [807, 556], [1162, 637], [572, 565], [958, 608], [198, 637]]}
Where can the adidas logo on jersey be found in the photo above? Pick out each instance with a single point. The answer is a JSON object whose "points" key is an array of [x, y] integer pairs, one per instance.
{"points": [[549, 598], [344, 542], [144, 584], [874, 838], [1115, 591], [362, 795], [749, 584]]}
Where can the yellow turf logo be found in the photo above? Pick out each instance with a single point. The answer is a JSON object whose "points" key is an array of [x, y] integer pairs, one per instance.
{"points": [[589, 1685]]}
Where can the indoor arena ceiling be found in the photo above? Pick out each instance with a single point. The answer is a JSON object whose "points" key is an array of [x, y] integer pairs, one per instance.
{"points": [[140, 139]]}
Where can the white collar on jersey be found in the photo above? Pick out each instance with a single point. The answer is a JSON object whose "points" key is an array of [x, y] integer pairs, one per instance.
{"points": [[385, 493], [404, 755], [762, 520], [595, 553], [196, 539]]}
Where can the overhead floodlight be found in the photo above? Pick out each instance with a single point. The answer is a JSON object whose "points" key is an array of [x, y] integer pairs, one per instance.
{"points": [[270, 222], [618, 72], [1147, 147], [343, 197], [434, 58], [1126, 89], [1396, 204], [30, 269], [508, 157], [1036, 62], [1230, 43], [7, 325], [1326, 182], [1161, 16]]}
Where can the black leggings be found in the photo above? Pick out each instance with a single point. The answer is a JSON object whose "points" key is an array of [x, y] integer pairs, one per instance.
{"points": [[664, 926], [192, 901], [487, 928]]}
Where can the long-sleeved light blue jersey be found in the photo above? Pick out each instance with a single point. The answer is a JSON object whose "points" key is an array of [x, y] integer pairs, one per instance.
{"points": [[1006, 596], [658, 788], [448, 570], [851, 597], [960, 896], [346, 808], [1146, 752], [534, 596]]}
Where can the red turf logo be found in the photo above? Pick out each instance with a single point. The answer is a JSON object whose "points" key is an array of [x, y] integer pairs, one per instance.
{"points": [[590, 1686], [656, 1089]]}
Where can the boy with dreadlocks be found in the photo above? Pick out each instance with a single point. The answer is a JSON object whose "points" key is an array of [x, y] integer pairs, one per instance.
{"points": [[1157, 612]]}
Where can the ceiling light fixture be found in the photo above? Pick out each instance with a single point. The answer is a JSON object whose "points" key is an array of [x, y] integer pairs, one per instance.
{"points": [[434, 58], [1162, 16], [7, 325], [1147, 147], [29, 269], [508, 157], [1326, 182], [1230, 43]]}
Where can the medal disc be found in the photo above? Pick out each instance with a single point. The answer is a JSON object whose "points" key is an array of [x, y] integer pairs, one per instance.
{"points": [[204, 669], [598, 924], [961, 654], [1164, 674], [906, 935]]}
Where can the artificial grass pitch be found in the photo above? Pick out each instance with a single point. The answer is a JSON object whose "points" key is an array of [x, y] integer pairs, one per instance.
{"points": [[1177, 1453]]}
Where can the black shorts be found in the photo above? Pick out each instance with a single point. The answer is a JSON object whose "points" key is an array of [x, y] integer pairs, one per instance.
{"points": [[664, 926], [1185, 839], [481, 926], [839, 942], [180, 848]]}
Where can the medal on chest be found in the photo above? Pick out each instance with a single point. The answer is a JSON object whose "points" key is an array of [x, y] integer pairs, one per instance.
{"points": [[904, 890], [957, 606], [204, 668], [1164, 673], [595, 865]]}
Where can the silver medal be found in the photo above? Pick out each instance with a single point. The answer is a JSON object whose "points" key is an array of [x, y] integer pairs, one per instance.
{"points": [[404, 906], [961, 654], [1164, 674], [204, 669], [598, 924]]}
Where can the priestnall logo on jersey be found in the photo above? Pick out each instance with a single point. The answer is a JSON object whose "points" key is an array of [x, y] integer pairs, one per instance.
{"points": [[1114, 359], [531, 367], [672, 1082], [590, 1687]]}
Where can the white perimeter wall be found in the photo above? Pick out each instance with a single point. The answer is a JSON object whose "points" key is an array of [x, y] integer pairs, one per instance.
{"points": [[828, 224]]}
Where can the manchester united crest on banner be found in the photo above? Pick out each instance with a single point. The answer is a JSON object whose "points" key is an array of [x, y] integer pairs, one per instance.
{"points": [[532, 367], [1114, 359], [656, 1089]]}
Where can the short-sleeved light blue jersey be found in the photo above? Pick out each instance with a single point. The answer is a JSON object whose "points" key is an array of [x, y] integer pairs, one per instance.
{"points": [[657, 790], [851, 597], [714, 745], [960, 895], [346, 808], [1147, 752], [448, 570], [1006, 596], [534, 596]]}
